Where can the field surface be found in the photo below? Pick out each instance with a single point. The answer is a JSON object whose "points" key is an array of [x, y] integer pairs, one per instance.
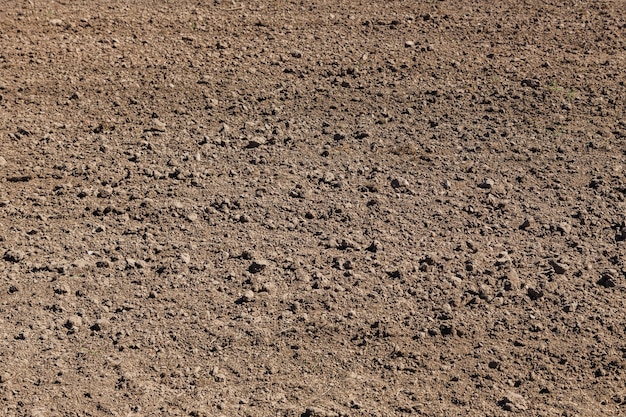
{"points": [[312, 209]]}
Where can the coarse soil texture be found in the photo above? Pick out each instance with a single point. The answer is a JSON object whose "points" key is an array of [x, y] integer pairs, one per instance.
{"points": [[324, 208]]}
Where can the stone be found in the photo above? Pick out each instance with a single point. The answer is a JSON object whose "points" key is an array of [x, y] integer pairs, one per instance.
{"points": [[487, 184], [74, 322], [559, 267], [2, 161], [255, 142], [564, 228], [399, 183], [258, 266], [106, 192], [158, 126], [513, 402], [526, 224], [14, 256], [248, 296], [608, 279], [534, 293]]}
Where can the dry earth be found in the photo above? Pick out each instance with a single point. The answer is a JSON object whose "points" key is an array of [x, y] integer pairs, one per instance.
{"points": [[328, 208]]}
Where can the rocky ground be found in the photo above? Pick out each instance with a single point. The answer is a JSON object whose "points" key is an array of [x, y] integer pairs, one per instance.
{"points": [[329, 208]]}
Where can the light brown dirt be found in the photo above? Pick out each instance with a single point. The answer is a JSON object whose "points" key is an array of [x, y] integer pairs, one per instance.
{"points": [[330, 208]]}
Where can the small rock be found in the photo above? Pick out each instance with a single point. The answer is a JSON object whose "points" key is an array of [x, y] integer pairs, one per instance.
{"points": [[158, 126], [559, 267], [399, 183], [318, 412], [14, 255], [534, 294], [258, 266], [532, 83], [99, 325], [2, 161], [56, 22], [526, 224], [564, 228], [185, 258], [608, 278], [255, 142], [62, 289], [409, 44], [511, 280], [74, 322], [105, 192], [5, 377], [348, 244], [248, 296], [328, 177], [513, 402], [487, 184], [374, 247], [571, 307]]}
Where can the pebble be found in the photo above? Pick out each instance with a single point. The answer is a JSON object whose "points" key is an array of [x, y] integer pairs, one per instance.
{"points": [[99, 325], [513, 402], [608, 278], [74, 322], [14, 255], [399, 183], [526, 224], [571, 307], [258, 266], [318, 412], [374, 247], [487, 184], [255, 142], [248, 296], [564, 228], [512, 281], [5, 377], [106, 192], [2, 161], [158, 126], [559, 267], [409, 44]]}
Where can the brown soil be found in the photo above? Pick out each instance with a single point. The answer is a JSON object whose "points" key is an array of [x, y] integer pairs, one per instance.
{"points": [[330, 208]]}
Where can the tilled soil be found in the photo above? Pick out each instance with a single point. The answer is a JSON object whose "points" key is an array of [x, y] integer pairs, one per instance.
{"points": [[329, 208]]}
